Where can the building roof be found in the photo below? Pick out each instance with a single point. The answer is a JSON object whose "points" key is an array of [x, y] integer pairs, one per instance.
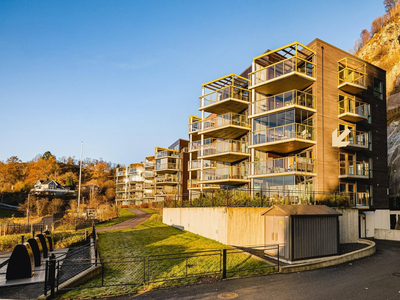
{"points": [[301, 210]]}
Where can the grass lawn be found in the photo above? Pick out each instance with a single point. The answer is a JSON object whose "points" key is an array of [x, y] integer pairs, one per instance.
{"points": [[124, 215], [148, 210], [155, 238]]}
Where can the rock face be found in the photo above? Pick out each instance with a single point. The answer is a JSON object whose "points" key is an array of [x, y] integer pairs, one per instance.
{"points": [[383, 50]]}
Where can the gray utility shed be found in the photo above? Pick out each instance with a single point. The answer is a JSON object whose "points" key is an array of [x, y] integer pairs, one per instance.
{"points": [[302, 231]]}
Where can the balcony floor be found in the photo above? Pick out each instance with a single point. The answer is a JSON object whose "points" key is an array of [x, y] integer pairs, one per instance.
{"points": [[354, 176], [170, 183], [285, 146], [290, 81], [226, 132], [354, 147], [169, 171], [352, 88], [227, 157], [353, 118], [282, 174], [226, 106]]}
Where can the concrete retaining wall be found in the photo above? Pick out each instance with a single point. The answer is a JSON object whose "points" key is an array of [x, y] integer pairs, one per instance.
{"points": [[242, 226], [387, 234]]}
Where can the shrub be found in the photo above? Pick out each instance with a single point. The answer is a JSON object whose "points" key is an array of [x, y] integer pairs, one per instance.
{"points": [[144, 205]]}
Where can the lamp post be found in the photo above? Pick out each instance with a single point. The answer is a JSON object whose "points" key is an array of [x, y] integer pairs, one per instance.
{"points": [[27, 211]]}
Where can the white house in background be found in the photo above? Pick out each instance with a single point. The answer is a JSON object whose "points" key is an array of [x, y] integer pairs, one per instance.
{"points": [[51, 187]]}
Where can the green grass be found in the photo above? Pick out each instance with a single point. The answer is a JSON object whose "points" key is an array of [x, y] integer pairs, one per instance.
{"points": [[124, 215], [5, 213], [148, 210], [154, 238]]}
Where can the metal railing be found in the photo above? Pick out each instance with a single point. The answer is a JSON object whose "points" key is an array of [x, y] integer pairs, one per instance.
{"points": [[293, 97], [149, 164], [278, 166], [229, 92], [195, 126], [167, 178], [227, 119], [351, 71], [166, 153], [196, 164], [282, 133], [167, 166], [194, 146], [284, 67]]}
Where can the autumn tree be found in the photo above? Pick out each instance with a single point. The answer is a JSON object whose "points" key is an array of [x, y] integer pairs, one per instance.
{"points": [[389, 4]]}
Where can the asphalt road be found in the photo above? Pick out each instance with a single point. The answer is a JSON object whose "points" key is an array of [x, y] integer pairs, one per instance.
{"points": [[368, 278]]}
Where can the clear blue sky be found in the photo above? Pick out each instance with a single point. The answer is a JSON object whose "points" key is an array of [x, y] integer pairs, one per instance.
{"points": [[123, 76]]}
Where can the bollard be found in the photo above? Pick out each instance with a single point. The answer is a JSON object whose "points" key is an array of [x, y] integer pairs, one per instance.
{"points": [[86, 235], [22, 239], [33, 234], [223, 263]]}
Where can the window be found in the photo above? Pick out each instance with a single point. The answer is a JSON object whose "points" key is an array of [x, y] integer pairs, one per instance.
{"points": [[378, 88]]}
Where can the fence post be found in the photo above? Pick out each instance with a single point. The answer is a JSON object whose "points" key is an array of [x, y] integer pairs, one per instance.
{"points": [[223, 263], [52, 275], [278, 258], [46, 277]]}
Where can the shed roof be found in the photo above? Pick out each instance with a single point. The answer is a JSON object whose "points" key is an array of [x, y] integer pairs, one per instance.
{"points": [[298, 210]]}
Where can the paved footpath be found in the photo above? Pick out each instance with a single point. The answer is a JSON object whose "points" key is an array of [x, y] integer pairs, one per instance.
{"points": [[141, 216]]}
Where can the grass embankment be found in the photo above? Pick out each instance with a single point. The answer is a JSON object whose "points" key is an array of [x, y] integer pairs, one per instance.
{"points": [[62, 238], [154, 238], [148, 210]]}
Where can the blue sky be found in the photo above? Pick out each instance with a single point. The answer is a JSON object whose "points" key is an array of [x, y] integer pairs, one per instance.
{"points": [[123, 76]]}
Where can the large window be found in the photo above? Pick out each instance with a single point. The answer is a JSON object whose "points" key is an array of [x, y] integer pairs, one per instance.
{"points": [[378, 88]]}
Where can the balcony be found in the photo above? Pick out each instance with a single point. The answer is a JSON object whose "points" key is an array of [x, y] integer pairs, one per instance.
{"points": [[148, 174], [149, 164], [148, 185], [167, 168], [358, 140], [148, 193], [196, 164], [354, 169], [167, 179], [351, 110], [194, 146], [291, 165], [224, 150], [195, 184], [228, 94], [166, 153], [226, 126], [290, 99], [352, 75], [227, 175], [284, 69], [284, 139]]}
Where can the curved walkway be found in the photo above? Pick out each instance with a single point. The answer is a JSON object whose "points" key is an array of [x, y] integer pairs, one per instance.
{"points": [[141, 216]]}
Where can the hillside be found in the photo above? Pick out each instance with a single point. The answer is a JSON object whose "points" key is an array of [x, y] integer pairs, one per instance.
{"points": [[383, 50]]}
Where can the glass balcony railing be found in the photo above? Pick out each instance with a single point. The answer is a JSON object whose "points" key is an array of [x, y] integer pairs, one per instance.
{"points": [[148, 174], [229, 92], [281, 68], [226, 173], [195, 127], [214, 146], [122, 181], [148, 185], [352, 71], [165, 191], [282, 133], [167, 178], [356, 138], [148, 193], [225, 120], [196, 164], [120, 173], [350, 168], [281, 166], [167, 166], [353, 107], [194, 183], [166, 154], [194, 146], [289, 98], [148, 164]]}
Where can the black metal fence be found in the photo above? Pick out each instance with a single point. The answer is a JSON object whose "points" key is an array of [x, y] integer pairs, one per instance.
{"points": [[244, 197], [163, 269]]}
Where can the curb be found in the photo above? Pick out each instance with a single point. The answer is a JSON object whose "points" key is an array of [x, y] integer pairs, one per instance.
{"points": [[333, 260]]}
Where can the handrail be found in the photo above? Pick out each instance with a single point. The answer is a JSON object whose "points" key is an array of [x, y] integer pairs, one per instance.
{"points": [[292, 57], [283, 132], [355, 168], [293, 97], [225, 87]]}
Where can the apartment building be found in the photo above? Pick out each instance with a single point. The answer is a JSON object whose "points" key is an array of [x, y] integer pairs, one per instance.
{"points": [[149, 179], [129, 185], [171, 171], [299, 122]]}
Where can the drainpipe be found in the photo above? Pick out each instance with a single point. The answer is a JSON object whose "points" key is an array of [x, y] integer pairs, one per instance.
{"points": [[323, 117]]}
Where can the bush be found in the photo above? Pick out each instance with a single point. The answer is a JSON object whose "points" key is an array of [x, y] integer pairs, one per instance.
{"points": [[144, 205]]}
